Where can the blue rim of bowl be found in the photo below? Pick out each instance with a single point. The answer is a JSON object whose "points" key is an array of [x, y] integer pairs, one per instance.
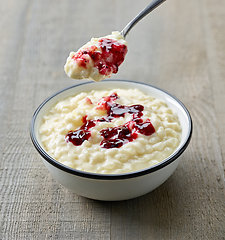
{"points": [[100, 176]]}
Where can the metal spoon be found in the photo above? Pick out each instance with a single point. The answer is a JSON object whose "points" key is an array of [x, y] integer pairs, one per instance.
{"points": [[154, 4]]}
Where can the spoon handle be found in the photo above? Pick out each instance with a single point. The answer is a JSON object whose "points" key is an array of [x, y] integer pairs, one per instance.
{"points": [[154, 4]]}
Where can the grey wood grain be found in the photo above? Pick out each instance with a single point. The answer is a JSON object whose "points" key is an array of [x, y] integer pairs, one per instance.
{"points": [[179, 47]]}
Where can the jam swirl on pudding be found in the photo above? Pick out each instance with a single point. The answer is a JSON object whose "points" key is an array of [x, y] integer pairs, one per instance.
{"points": [[113, 137]]}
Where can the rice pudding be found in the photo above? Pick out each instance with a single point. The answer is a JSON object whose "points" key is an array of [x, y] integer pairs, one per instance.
{"points": [[97, 59], [110, 131]]}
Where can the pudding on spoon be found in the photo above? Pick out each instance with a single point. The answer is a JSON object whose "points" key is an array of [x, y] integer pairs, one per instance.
{"points": [[97, 59], [101, 57]]}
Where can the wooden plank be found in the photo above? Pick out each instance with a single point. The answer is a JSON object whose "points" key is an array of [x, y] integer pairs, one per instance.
{"points": [[178, 47]]}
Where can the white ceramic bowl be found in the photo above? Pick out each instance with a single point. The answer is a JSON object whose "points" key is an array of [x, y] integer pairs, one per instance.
{"points": [[113, 187]]}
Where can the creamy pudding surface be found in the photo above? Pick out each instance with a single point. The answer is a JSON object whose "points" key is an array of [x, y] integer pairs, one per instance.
{"points": [[98, 59], [110, 131]]}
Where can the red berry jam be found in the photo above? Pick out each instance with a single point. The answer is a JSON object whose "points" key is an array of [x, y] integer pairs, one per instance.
{"points": [[117, 136], [79, 136], [107, 60]]}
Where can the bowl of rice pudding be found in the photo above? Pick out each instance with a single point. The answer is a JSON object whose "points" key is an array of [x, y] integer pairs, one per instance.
{"points": [[113, 140]]}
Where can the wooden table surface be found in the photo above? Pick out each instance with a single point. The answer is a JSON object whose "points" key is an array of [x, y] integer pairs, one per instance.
{"points": [[179, 47]]}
